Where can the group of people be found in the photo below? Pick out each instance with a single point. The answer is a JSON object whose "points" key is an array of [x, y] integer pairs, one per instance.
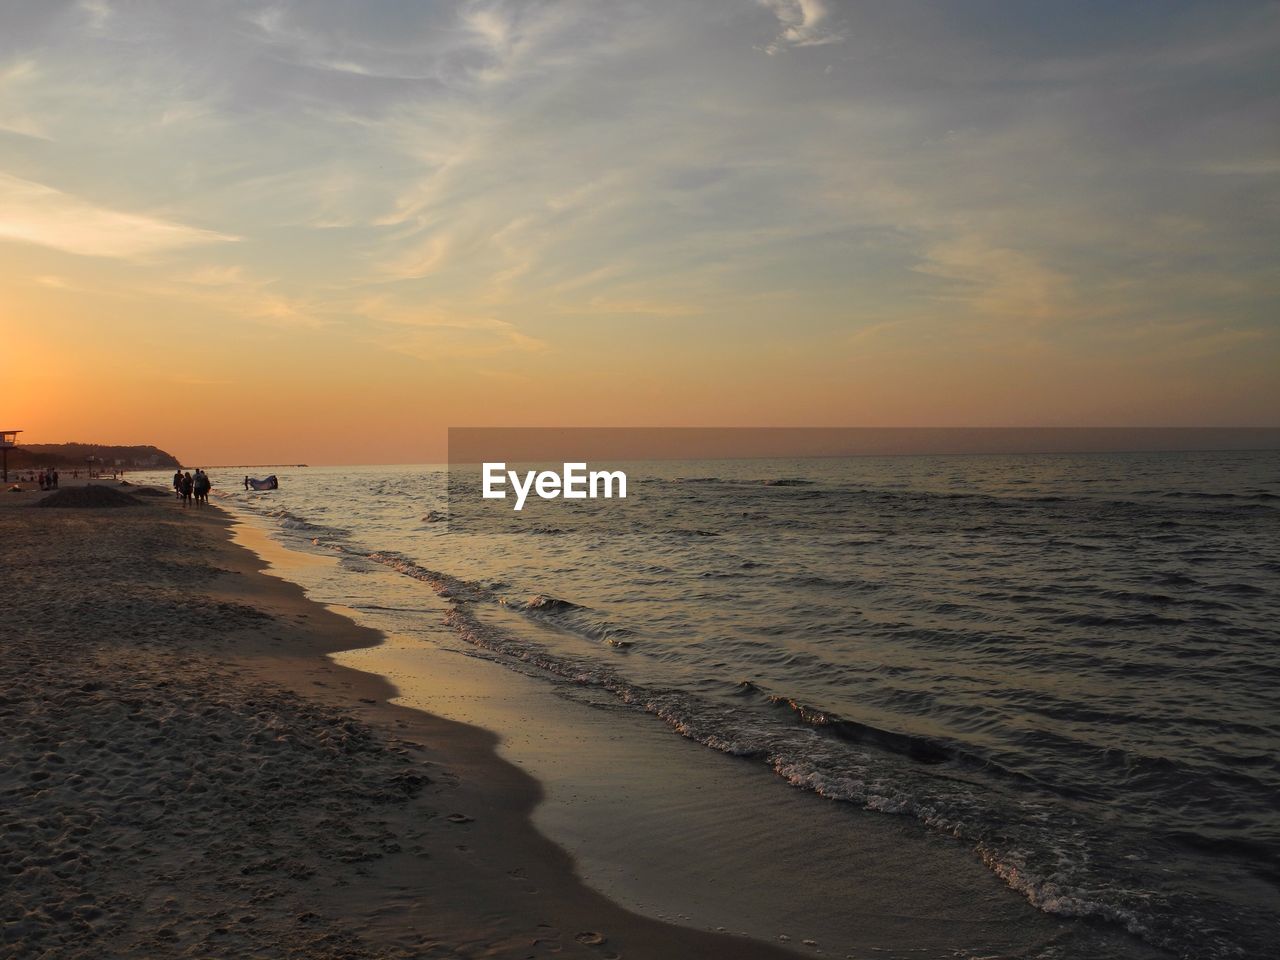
{"points": [[187, 486], [48, 479]]}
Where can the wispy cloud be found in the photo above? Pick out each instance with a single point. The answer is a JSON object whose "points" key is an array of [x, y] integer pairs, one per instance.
{"points": [[432, 332], [34, 213], [289, 34], [606, 306], [803, 24], [994, 283], [491, 25], [422, 259], [97, 13], [1244, 167], [16, 81], [232, 275]]}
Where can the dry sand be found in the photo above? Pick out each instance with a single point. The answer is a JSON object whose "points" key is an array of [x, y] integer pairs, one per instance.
{"points": [[183, 773]]}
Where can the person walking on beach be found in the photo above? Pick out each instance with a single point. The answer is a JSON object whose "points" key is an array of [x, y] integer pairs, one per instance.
{"points": [[54, 477], [177, 484], [246, 482], [202, 485], [185, 488]]}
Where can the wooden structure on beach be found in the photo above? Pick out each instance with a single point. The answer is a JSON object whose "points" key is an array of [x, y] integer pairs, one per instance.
{"points": [[8, 438]]}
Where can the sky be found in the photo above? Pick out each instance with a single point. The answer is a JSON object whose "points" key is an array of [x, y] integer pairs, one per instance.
{"points": [[325, 232]]}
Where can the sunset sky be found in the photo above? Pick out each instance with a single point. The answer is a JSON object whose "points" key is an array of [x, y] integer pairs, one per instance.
{"points": [[324, 232]]}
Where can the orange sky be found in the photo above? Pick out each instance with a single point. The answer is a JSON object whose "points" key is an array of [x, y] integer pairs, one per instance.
{"points": [[309, 236]]}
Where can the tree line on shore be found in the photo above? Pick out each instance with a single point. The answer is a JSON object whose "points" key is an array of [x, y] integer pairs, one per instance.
{"points": [[26, 456]]}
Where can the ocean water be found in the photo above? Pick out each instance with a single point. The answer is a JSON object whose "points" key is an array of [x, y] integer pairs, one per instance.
{"points": [[1069, 662]]}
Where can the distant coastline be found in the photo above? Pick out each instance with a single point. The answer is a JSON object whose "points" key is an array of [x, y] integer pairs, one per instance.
{"points": [[33, 456]]}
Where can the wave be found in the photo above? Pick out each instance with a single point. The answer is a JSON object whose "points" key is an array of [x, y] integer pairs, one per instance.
{"points": [[544, 604], [575, 618], [1118, 621], [917, 748], [864, 776], [296, 524], [1240, 589]]}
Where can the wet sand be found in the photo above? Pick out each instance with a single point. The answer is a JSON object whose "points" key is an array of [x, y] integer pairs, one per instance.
{"points": [[184, 773]]}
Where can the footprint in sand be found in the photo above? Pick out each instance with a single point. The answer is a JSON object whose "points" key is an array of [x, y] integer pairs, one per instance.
{"points": [[460, 818], [519, 875], [590, 938]]}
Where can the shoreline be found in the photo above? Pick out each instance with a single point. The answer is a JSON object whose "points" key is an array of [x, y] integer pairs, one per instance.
{"points": [[658, 822], [188, 758]]}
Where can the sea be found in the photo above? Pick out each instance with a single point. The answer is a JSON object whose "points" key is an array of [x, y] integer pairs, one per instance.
{"points": [[1069, 662]]}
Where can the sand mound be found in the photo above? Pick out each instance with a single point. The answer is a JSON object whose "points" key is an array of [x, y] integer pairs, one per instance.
{"points": [[89, 497], [149, 492]]}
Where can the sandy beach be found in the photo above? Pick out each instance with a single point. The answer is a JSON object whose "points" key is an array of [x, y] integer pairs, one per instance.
{"points": [[184, 773]]}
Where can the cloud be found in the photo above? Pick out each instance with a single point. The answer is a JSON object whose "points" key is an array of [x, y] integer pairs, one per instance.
{"points": [[437, 331], [221, 276], [995, 283], [23, 126], [1244, 167], [313, 40], [491, 167], [235, 292], [603, 306], [419, 261], [16, 83], [490, 26], [97, 13], [34, 213], [801, 22]]}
